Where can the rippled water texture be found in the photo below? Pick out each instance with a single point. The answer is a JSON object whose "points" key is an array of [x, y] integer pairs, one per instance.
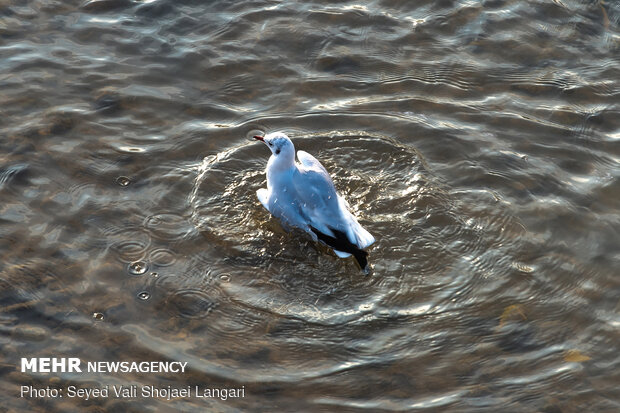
{"points": [[478, 141]]}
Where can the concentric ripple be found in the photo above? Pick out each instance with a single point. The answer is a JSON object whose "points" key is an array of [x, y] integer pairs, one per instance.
{"points": [[168, 226], [420, 229], [131, 244], [190, 304], [162, 257]]}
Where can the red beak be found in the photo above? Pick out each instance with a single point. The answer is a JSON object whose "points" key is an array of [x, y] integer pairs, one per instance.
{"points": [[259, 138]]}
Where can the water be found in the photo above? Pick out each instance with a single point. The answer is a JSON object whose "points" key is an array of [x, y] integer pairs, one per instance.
{"points": [[477, 141]]}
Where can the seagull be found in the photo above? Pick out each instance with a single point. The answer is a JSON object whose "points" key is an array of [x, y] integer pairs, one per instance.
{"points": [[302, 195]]}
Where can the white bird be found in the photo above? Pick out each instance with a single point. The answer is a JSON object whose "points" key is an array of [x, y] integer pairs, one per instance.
{"points": [[302, 195]]}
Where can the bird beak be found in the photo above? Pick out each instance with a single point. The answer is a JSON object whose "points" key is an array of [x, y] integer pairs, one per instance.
{"points": [[259, 138]]}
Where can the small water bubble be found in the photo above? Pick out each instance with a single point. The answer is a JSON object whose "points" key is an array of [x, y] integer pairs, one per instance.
{"points": [[123, 180], [98, 316], [144, 295], [155, 274], [137, 268], [225, 278]]}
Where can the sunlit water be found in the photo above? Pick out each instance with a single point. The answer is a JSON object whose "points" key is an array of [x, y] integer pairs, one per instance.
{"points": [[479, 142]]}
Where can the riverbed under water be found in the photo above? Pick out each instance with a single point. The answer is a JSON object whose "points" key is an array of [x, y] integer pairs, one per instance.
{"points": [[478, 141]]}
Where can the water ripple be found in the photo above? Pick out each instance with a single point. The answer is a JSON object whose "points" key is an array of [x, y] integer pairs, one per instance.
{"points": [[476, 140]]}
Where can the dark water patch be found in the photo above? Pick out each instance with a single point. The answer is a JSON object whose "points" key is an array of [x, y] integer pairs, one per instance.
{"points": [[108, 102], [190, 304], [13, 174], [338, 65]]}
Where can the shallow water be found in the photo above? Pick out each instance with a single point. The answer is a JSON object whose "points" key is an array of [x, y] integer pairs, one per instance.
{"points": [[479, 142]]}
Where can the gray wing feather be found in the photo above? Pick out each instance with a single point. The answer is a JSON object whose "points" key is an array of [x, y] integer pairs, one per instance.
{"points": [[323, 206], [316, 193], [310, 162]]}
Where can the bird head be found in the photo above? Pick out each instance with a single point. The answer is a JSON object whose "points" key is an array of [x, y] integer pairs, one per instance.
{"points": [[279, 144]]}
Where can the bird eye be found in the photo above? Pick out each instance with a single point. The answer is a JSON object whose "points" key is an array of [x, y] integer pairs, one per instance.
{"points": [[277, 151]]}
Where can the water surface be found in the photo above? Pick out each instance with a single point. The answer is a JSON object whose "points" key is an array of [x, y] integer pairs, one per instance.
{"points": [[479, 142]]}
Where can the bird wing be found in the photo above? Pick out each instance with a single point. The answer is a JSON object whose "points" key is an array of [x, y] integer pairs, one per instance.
{"points": [[310, 162], [316, 194], [263, 197], [321, 205]]}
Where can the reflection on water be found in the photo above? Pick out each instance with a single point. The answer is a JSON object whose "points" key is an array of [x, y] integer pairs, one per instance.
{"points": [[478, 142]]}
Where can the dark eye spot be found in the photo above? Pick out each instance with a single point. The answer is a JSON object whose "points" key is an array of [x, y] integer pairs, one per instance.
{"points": [[270, 144], [277, 151]]}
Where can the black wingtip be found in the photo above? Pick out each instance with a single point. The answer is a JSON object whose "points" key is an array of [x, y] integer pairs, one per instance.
{"points": [[340, 242], [361, 257]]}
